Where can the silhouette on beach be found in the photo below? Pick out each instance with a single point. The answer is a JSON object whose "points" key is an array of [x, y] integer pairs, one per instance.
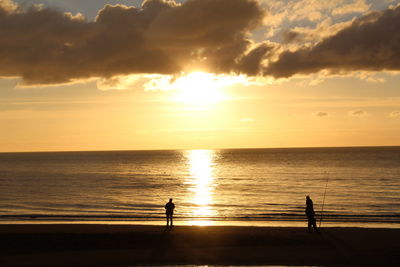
{"points": [[310, 215], [169, 212]]}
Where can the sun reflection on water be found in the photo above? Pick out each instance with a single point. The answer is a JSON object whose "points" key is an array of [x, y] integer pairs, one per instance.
{"points": [[201, 183]]}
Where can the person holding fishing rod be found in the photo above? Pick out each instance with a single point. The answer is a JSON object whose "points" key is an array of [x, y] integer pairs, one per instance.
{"points": [[310, 215], [169, 212]]}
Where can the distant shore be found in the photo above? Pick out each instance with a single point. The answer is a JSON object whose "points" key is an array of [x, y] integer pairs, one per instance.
{"points": [[97, 244]]}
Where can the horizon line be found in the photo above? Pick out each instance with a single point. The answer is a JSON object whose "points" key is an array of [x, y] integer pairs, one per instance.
{"points": [[188, 149]]}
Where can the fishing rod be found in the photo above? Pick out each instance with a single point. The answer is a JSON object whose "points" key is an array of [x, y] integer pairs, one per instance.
{"points": [[323, 200], [160, 197]]}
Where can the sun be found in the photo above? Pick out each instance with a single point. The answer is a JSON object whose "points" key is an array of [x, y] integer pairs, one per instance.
{"points": [[200, 88]]}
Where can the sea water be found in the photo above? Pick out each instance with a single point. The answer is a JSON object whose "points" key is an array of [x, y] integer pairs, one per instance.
{"points": [[356, 184]]}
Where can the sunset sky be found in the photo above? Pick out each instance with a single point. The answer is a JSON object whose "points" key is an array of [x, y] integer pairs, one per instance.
{"points": [[158, 74]]}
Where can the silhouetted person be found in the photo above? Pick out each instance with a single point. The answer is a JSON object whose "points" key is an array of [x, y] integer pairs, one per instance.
{"points": [[169, 212], [310, 214]]}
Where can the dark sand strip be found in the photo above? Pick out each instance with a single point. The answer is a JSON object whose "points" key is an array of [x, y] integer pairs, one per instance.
{"points": [[72, 245]]}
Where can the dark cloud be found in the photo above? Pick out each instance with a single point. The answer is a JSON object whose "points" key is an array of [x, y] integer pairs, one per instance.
{"points": [[370, 43], [290, 36], [251, 62], [321, 114], [358, 113], [46, 46]]}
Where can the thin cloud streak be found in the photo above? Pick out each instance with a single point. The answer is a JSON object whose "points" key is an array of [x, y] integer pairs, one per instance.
{"points": [[358, 113], [321, 114], [357, 6], [247, 120], [394, 114]]}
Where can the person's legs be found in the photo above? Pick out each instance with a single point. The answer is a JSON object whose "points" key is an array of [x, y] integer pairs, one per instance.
{"points": [[309, 226], [167, 215], [171, 218], [314, 224]]}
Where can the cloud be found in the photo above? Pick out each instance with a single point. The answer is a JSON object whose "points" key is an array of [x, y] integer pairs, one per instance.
{"points": [[290, 36], [358, 6], [321, 114], [370, 43], [370, 77], [395, 114], [306, 9], [247, 120], [358, 113], [309, 36], [251, 62], [45, 46], [118, 82], [8, 5]]}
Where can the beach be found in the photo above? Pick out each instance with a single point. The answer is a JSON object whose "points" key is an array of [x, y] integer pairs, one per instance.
{"points": [[122, 245]]}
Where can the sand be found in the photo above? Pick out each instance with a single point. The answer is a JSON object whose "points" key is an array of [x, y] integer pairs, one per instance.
{"points": [[113, 245]]}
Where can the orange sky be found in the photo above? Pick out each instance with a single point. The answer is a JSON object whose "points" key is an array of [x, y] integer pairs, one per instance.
{"points": [[254, 103]]}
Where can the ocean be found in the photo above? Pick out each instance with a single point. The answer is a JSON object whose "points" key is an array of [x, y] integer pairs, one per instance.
{"points": [[361, 186]]}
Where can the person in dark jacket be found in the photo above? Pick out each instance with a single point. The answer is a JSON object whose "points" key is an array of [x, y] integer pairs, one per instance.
{"points": [[310, 214], [169, 212]]}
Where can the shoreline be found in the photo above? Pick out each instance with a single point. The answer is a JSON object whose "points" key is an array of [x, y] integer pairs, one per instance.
{"points": [[112, 244], [181, 221]]}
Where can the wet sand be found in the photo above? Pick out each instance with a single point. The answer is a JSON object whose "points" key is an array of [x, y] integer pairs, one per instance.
{"points": [[113, 245]]}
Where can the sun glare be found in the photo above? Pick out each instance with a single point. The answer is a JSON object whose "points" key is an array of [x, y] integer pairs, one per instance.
{"points": [[200, 88], [201, 182]]}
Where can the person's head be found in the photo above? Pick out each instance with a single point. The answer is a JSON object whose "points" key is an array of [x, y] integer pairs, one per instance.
{"points": [[170, 200], [307, 197]]}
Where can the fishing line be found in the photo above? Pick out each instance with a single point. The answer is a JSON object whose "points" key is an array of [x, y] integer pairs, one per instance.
{"points": [[323, 200], [160, 197], [163, 199]]}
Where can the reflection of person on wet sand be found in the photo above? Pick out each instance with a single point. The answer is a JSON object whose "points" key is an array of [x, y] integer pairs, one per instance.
{"points": [[169, 212], [310, 214]]}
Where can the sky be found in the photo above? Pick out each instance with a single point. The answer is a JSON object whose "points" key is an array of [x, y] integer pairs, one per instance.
{"points": [[198, 74]]}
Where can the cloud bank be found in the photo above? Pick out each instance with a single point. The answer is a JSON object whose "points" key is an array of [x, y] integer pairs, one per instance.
{"points": [[46, 46], [370, 43]]}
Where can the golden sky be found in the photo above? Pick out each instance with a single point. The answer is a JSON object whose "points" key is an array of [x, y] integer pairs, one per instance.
{"points": [[198, 74]]}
